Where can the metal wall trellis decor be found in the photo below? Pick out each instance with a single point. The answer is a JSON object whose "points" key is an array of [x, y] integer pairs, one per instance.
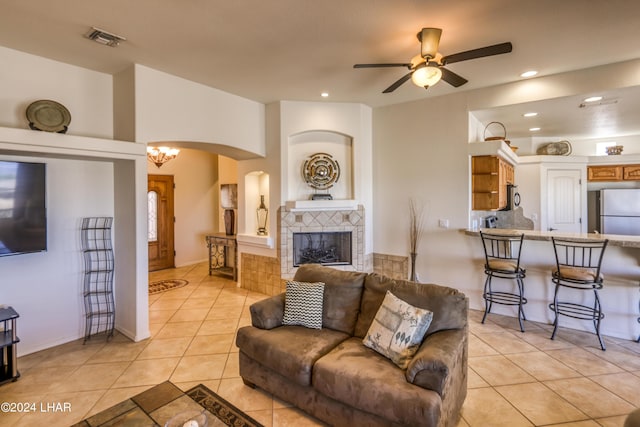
{"points": [[321, 171]]}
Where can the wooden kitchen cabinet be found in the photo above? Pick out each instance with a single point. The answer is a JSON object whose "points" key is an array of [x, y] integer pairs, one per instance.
{"points": [[613, 173], [489, 178], [604, 173], [631, 172]]}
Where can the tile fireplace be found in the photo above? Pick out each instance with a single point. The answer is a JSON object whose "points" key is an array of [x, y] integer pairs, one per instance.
{"points": [[321, 234]]}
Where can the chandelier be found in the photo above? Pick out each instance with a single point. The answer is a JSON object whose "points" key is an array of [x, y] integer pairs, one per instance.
{"points": [[161, 155]]}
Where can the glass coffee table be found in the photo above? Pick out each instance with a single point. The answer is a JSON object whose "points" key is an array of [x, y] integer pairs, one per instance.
{"points": [[162, 403]]}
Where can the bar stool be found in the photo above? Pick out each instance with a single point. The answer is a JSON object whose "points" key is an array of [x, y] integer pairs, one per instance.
{"points": [[638, 340], [578, 265], [502, 260]]}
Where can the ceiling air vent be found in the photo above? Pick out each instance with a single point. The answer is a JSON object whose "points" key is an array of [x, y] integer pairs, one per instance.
{"points": [[104, 37]]}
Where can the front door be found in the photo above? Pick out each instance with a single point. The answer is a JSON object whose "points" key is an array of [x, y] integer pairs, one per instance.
{"points": [[160, 222], [565, 201]]}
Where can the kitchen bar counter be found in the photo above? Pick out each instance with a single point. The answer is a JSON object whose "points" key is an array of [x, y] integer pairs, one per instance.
{"points": [[621, 269], [614, 239]]}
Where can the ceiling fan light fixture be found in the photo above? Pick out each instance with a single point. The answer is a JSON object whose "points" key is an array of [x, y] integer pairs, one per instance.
{"points": [[426, 75], [428, 68], [429, 41], [417, 60]]}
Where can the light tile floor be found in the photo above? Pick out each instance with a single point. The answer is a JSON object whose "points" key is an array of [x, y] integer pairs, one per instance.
{"points": [[515, 379]]}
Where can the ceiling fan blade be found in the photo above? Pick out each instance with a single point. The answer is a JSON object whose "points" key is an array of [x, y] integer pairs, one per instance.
{"points": [[397, 64], [496, 49], [398, 83], [452, 78]]}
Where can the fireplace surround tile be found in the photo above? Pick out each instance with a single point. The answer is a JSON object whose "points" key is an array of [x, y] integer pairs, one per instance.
{"points": [[320, 221], [269, 274]]}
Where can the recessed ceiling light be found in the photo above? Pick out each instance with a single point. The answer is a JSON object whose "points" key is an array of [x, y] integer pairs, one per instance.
{"points": [[530, 73], [593, 99], [531, 114], [324, 94], [534, 129], [597, 101]]}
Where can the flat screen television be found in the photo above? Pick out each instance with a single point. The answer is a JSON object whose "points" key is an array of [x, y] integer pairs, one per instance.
{"points": [[23, 214]]}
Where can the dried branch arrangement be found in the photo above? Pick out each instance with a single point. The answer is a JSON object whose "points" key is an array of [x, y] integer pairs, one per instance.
{"points": [[415, 225]]}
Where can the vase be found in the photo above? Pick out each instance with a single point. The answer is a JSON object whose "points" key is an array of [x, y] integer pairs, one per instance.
{"points": [[262, 213], [412, 276], [229, 222]]}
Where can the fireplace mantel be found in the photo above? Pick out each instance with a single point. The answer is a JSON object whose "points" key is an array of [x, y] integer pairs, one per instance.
{"points": [[321, 205]]}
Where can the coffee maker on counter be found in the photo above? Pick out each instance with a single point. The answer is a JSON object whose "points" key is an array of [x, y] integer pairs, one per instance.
{"points": [[513, 197]]}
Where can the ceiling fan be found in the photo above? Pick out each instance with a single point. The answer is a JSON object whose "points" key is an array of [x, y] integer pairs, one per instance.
{"points": [[427, 68]]}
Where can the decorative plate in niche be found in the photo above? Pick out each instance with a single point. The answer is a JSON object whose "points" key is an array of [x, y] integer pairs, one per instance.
{"points": [[321, 171]]}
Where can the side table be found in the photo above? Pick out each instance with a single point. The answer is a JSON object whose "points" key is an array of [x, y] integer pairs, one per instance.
{"points": [[8, 345], [223, 255]]}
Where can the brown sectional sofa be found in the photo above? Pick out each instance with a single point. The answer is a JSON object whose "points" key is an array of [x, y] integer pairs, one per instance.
{"points": [[331, 375]]}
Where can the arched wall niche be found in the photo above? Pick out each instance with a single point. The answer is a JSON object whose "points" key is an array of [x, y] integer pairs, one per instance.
{"points": [[304, 144], [256, 184]]}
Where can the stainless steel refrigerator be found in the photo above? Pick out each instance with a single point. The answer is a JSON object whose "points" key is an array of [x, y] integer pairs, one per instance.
{"points": [[620, 211]]}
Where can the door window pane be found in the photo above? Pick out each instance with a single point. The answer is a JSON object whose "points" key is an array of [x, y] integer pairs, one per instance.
{"points": [[152, 219]]}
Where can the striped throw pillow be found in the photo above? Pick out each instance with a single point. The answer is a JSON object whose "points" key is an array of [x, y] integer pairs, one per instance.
{"points": [[303, 304]]}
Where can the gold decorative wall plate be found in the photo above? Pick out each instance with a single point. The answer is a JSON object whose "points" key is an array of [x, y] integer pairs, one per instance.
{"points": [[321, 171], [49, 116]]}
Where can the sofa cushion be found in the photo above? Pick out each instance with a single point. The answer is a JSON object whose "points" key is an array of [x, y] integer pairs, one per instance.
{"points": [[290, 351], [342, 294], [375, 289], [303, 304], [449, 306], [358, 376], [397, 330]]}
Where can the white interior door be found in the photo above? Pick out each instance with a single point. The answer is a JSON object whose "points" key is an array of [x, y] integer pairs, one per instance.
{"points": [[564, 209]]}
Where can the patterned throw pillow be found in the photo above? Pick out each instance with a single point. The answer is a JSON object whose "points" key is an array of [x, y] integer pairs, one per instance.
{"points": [[303, 304], [398, 330]]}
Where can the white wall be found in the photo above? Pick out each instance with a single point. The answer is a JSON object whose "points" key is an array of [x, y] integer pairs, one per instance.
{"points": [[162, 107], [124, 104], [169, 108], [619, 75], [421, 152], [587, 147], [286, 119], [46, 288], [27, 78], [352, 120], [249, 173], [196, 202]]}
